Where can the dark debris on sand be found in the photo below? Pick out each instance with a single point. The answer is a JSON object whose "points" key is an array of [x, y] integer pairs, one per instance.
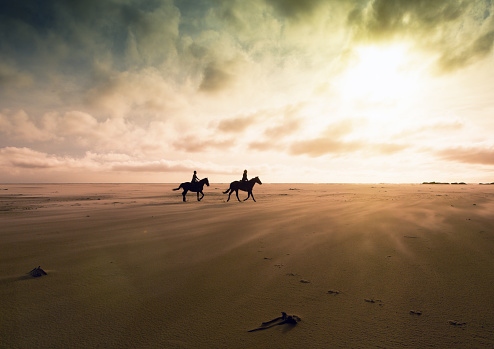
{"points": [[281, 320], [37, 272]]}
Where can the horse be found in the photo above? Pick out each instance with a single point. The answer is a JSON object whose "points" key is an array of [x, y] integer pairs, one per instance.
{"points": [[195, 187], [244, 186]]}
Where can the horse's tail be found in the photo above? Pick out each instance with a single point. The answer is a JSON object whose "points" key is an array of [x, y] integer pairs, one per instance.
{"points": [[226, 191], [179, 187]]}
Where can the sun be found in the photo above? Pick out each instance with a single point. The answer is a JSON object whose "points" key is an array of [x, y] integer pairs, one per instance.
{"points": [[379, 75]]}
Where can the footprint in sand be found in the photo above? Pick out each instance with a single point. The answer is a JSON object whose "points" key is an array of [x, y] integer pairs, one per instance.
{"points": [[372, 300], [334, 292]]}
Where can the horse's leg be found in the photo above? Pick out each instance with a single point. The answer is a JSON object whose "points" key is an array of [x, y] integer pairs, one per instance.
{"points": [[199, 199], [248, 196], [183, 194], [236, 192], [251, 193], [198, 196]]}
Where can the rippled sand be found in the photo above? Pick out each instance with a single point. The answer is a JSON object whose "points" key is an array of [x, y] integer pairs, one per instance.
{"points": [[132, 266]]}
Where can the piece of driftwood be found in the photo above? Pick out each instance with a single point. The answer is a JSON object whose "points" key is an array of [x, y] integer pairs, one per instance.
{"points": [[281, 320], [37, 272]]}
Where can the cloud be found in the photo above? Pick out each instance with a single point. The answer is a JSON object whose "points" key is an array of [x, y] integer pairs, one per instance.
{"points": [[294, 8], [274, 134], [237, 125], [84, 46], [77, 123], [459, 32], [152, 33], [332, 141], [480, 48], [114, 85], [12, 78], [386, 148], [14, 159], [191, 144], [341, 128], [284, 129], [216, 77], [267, 127], [323, 146], [435, 129], [27, 158], [329, 142], [263, 145], [68, 32], [142, 92], [18, 125], [290, 122], [151, 166], [468, 155], [76, 132], [383, 20], [64, 44]]}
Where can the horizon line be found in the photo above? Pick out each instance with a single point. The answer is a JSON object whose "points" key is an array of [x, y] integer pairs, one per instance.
{"points": [[422, 183]]}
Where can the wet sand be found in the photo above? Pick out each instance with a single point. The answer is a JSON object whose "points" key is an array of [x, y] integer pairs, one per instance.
{"points": [[132, 266]]}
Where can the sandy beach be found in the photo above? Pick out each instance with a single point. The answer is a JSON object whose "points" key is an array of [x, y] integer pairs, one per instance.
{"points": [[132, 266]]}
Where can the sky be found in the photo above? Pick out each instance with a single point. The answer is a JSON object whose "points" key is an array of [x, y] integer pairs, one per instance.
{"points": [[336, 91]]}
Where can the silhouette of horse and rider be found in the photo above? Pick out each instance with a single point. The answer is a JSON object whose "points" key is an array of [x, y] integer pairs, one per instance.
{"points": [[196, 185], [244, 185]]}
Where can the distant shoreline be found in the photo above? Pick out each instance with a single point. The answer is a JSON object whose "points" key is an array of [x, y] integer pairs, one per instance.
{"points": [[226, 183]]}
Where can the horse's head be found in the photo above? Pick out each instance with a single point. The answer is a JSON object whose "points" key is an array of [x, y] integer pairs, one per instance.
{"points": [[206, 181], [257, 180]]}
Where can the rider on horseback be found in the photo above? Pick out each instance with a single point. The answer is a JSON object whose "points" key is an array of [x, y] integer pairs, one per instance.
{"points": [[194, 178], [244, 177]]}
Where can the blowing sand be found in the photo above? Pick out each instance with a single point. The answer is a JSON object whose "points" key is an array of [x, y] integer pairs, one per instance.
{"points": [[132, 266]]}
